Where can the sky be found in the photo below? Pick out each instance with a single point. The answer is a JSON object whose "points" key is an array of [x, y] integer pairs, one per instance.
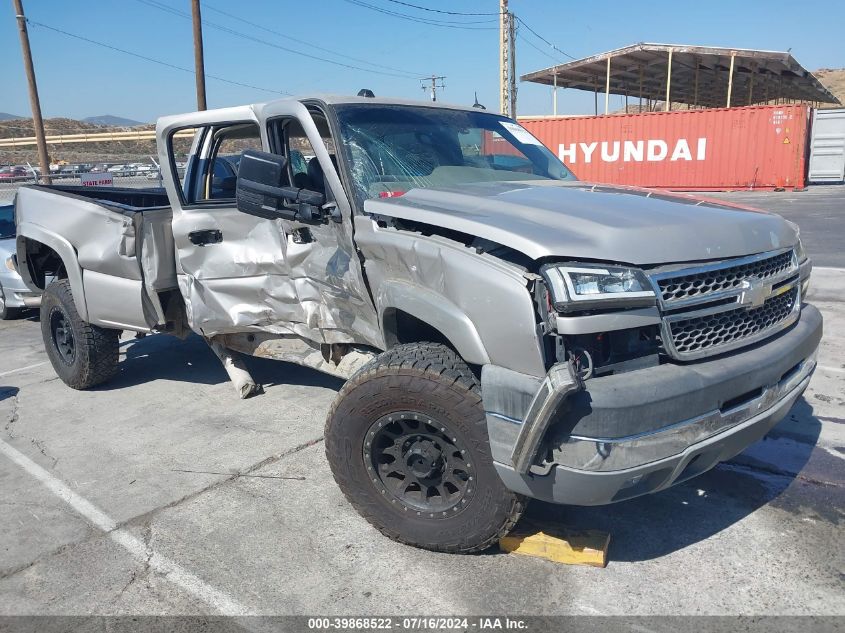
{"points": [[266, 44]]}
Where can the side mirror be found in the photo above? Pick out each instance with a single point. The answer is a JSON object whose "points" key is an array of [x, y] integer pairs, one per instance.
{"points": [[262, 190]]}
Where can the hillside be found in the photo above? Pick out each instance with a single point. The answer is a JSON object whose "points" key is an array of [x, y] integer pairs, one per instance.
{"points": [[108, 151], [834, 80], [5, 116], [110, 119]]}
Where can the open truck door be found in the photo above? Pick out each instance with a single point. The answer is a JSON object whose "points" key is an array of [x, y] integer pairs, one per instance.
{"points": [[281, 273]]}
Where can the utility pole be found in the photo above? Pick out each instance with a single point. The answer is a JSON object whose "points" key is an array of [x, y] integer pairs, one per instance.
{"points": [[511, 66], [504, 66], [35, 103], [432, 85], [507, 60], [199, 61]]}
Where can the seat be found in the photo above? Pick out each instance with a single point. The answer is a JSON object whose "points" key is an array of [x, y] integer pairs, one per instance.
{"points": [[316, 176]]}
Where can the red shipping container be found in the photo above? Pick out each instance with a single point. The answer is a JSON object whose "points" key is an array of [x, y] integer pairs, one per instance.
{"points": [[725, 148]]}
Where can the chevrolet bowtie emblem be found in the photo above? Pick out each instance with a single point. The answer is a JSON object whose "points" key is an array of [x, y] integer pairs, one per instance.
{"points": [[754, 292]]}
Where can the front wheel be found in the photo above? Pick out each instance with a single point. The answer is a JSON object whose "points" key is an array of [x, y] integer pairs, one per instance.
{"points": [[82, 354], [406, 439]]}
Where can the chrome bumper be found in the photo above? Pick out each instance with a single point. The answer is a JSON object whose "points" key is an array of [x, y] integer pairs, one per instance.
{"points": [[631, 434], [607, 454]]}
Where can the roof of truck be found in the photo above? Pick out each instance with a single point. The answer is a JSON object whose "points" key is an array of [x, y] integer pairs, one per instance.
{"points": [[335, 99], [174, 121]]}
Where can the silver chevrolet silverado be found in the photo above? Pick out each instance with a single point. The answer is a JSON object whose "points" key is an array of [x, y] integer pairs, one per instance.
{"points": [[505, 330]]}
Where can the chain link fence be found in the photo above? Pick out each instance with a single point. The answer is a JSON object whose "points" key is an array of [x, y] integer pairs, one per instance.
{"points": [[136, 180], [118, 163]]}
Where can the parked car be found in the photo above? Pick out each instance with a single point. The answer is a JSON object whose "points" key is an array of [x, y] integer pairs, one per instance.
{"points": [[121, 170], [15, 174], [505, 330], [71, 171], [15, 297]]}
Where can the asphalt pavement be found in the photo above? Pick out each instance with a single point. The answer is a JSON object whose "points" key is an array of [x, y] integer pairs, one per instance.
{"points": [[819, 210]]}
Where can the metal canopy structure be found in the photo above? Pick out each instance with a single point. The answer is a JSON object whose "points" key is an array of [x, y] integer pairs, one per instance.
{"points": [[699, 76]]}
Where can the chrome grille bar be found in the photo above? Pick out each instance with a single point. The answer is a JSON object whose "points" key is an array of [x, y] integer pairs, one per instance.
{"points": [[715, 308], [711, 282]]}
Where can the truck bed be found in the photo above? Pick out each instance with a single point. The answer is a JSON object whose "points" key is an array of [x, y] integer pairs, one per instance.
{"points": [[121, 241], [122, 199]]}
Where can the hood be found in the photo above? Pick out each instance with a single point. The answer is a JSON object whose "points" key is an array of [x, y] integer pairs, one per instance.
{"points": [[575, 220]]}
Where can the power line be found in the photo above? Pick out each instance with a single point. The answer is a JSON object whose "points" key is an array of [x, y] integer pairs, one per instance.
{"points": [[151, 59], [304, 42], [524, 39], [252, 38], [564, 53], [416, 6], [450, 24]]}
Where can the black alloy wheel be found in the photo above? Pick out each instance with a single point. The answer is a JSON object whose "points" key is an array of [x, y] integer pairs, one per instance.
{"points": [[419, 463], [61, 333]]}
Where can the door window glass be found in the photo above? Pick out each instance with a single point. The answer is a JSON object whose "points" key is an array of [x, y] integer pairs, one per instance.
{"points": [[305, 170], [221, 173], [205, 160]]}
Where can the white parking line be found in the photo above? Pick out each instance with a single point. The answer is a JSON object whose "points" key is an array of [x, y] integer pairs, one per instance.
{"points": [[171, 570], [835, 370], [833, 452], [14, 371]]}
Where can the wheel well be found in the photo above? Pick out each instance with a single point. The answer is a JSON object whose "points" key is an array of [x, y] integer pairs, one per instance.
{"points": [[43, 262], [402, 327]]}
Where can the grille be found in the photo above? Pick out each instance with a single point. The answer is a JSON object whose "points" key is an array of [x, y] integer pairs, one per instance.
{"points": [[705, 333], [700, 284]]}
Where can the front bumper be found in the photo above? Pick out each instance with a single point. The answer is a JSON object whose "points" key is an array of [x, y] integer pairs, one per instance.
{"points": [[642, 431], [16, 294]]}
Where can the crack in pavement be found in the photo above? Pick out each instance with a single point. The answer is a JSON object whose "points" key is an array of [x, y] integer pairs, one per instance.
{"points": [[54, 552], [773, 470], [14, 417], [39, 444], [136, 575], [145, 519]]}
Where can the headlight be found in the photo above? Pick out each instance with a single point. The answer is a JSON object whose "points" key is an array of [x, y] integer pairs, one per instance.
{"points": [[10, 263], [589, 286], [800, 253]]}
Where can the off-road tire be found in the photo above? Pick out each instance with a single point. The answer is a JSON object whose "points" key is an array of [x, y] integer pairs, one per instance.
{"points": [[95, 349], [431, 379]]}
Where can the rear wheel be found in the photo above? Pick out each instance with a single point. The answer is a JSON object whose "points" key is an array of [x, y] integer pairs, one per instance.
{"points": [[407, 442], [82, 354]]}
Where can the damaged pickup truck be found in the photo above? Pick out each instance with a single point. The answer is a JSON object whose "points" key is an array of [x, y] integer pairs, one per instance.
{"points": [[506, 331]]}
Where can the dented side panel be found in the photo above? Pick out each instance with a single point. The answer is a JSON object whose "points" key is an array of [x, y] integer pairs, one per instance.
{"points": [[104, 250], [483, 302], [263, 276]]}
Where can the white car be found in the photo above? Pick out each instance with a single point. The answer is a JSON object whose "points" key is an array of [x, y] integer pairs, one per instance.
{"points": [[122, 170]]}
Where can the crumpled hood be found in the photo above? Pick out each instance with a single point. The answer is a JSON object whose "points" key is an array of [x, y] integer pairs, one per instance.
{"points": [[582, 221]]}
